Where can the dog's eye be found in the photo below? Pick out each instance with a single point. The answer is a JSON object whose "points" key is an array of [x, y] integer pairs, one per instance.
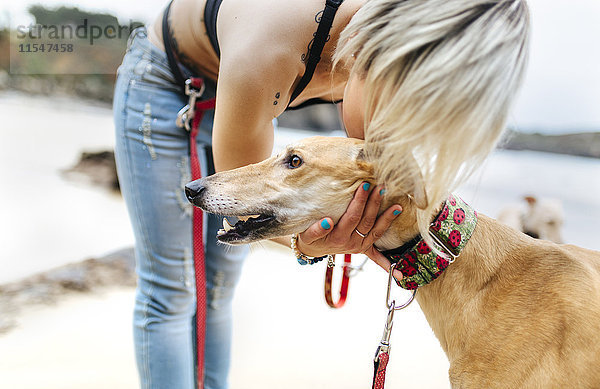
{"points": [[294, 162]]}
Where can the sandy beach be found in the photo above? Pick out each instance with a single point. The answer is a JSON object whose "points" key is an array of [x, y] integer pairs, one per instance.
{"points": [[284, 334]]}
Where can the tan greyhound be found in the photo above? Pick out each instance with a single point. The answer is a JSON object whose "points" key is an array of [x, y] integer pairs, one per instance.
{"points": [[510, 312]]}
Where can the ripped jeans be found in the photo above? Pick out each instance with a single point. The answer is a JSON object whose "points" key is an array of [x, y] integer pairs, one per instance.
{"points": [[153, 167]]}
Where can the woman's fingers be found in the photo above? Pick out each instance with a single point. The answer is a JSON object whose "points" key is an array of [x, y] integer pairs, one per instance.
{"points": [[378, 258], [382, 261], [318, 230], [361, 215], [371, 210], [354, 212], [383, 222]]}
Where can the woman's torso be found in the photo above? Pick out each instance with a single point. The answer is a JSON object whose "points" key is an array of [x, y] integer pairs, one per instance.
{"points": [[275, 29]]}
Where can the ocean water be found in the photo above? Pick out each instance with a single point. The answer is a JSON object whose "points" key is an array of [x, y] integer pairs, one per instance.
{"points": [[46, 221]]}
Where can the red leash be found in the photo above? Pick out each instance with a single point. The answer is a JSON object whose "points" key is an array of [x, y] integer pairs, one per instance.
{"points": [[380, 366], [382, 355], [346, 269], [194, 111]]}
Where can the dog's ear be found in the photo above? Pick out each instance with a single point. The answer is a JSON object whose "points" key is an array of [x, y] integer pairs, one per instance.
{"points": [[530, 200], [415, 185], [361, 159], [360, 155]]}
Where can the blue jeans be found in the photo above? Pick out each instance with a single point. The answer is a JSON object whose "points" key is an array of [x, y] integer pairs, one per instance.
{"points": [[153, 166]]}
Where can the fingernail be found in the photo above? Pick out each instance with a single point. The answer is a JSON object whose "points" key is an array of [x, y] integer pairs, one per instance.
{"points": [[366, 186], [398, 275], [397, 212], [382, 192], [325, 224]]}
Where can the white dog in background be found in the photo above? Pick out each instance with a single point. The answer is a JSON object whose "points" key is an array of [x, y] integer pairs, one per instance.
{"points": [[541, 218]]}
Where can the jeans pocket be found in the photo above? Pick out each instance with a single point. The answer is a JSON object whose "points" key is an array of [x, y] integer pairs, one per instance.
{"points": [[154, 73]]}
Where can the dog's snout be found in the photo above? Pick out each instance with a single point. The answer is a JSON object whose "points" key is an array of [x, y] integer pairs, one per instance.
{"points": [[193, 190]]}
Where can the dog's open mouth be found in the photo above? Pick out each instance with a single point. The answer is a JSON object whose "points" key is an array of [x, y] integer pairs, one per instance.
{"points": [[245, 230]]}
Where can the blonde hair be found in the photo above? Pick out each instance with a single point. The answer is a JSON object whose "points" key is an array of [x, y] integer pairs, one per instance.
{"points": [[439, 78]]}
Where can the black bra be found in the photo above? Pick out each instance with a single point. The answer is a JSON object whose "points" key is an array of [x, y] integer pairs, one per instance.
{"points": [[314, 52]]}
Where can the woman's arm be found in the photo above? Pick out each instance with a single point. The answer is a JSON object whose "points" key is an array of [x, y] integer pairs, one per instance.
{"points": [[243, 134], [249, 95], [256, 77]]}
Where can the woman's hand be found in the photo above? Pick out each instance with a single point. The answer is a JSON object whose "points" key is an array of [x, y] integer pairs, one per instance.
{"points": [[360, 217]]}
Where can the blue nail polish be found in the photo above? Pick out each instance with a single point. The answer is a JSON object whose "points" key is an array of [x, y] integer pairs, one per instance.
{"points": [[382, 192], [325, 224], [366, 186], [396, 212]]}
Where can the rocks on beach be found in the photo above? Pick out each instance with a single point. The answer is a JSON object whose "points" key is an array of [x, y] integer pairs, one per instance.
{"points": [[97, 168], [90, 275]]}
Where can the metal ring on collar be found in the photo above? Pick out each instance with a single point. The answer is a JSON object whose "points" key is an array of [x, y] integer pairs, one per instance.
{"points": [[391, 304]]}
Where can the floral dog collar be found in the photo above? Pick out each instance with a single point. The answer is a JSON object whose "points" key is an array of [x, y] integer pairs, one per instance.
{"points": [[451, 230]]}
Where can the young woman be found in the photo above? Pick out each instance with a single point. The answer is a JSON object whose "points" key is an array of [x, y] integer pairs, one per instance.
{"points": [[431, 79]]}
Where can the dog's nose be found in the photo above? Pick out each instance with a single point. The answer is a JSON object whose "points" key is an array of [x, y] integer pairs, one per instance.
{"points": [[193, 190]]}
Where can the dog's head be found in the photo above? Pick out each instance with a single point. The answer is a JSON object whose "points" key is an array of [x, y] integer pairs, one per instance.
{"points": [[286, 193]]}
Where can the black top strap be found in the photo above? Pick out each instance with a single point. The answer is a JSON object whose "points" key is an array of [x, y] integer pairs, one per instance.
{"points": [[173, 64], [316, 48], [211, 10]]}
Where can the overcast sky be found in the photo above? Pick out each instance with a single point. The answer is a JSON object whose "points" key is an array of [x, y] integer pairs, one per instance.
{"points": [[562, 87]]}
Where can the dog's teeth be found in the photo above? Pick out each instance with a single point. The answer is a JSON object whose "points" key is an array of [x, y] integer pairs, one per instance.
{"points": [[226, 225]]}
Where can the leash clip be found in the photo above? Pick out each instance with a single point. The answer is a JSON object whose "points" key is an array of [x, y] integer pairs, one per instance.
{"points": [[384, 344], [186, 114], [382, 354], [392, 303]]}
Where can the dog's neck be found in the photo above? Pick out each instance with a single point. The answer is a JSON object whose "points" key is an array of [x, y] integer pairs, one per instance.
{"points": [[481, 261], [457, 295]]}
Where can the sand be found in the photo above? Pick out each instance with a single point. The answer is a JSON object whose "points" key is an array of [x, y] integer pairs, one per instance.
{"points": [[284, 335], [83, 342]]}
